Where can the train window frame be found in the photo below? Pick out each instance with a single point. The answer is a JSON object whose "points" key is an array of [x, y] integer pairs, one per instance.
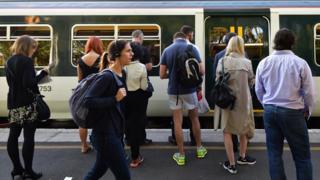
{"points": [[315, 38], [116, 36], [9, 37]]}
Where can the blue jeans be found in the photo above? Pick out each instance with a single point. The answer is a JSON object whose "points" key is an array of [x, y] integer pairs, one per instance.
{"points": [[110, 154], [280, 123]]}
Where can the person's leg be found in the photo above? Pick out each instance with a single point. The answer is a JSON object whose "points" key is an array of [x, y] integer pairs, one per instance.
{"points": [[29, 129], [178, 118], [235, 142], [274, 140], [116, 158], [229, 147], [12, 147], [243, 145], [194, 117], [83, 133], [100, 167], [191, 134], [296, 132]]}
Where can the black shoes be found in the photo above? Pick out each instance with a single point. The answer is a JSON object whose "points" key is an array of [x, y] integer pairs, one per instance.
{"points": [[147, 141], [17, 174], [230, 168], [32, 175], [246, 160]]}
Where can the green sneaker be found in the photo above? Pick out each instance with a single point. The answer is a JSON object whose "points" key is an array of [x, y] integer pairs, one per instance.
{"points": [[201, 152], [180, 159]]}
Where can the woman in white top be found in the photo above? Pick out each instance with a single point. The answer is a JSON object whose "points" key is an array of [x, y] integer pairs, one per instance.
{"points": [[136, 100]]}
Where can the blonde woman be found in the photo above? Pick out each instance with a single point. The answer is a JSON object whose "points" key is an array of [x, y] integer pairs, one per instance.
{"points": [[238, 121], [23, 83]]}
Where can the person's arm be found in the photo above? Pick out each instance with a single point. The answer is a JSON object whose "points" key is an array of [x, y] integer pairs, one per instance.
{"points": [[149, 66], [197, 56], [29, 79], [308, 88], [144, 79], [163, 72], [95, 99], [251, 78], [79, 73], [259, 88]]}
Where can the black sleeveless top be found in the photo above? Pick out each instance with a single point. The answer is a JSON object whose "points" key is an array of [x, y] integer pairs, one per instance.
{"points": [[87, 70]]}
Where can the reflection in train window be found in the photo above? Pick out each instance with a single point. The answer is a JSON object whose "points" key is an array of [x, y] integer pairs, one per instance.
{"points": [[317, 43], [42, 33], [252, 36], [107, 33]]}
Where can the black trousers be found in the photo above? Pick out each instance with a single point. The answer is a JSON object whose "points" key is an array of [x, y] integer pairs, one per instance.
{"points": [[136, 102], [29, 129]]}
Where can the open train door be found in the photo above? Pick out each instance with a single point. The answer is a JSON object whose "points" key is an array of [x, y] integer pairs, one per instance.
{"points": [[254, 29]]}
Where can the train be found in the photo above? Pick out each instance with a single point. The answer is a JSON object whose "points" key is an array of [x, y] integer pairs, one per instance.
{"points": [[62, 28]]}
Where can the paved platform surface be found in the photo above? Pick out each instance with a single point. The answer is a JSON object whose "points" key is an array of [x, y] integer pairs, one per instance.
{"points": [[157, 135], [58, 156], [57, 161]]}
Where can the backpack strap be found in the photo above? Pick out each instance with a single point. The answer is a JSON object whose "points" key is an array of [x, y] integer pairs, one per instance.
{"points": [[119, 84]]}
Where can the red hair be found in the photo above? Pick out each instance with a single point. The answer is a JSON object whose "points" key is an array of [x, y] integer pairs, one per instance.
{"points": [[94, 43]]}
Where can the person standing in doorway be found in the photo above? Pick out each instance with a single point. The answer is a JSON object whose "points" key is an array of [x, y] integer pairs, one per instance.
{"points": [[285, 88], [185, 99]]}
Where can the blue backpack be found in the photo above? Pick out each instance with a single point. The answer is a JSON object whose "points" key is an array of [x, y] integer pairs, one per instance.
{"points": [[79, 112]]}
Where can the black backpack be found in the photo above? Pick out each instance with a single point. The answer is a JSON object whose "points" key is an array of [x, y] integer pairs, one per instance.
{"points": [[222, 94], [79, 112], [187, 69]]}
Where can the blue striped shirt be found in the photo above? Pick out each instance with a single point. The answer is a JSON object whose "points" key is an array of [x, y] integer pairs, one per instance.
{"points": [[284, 79]]}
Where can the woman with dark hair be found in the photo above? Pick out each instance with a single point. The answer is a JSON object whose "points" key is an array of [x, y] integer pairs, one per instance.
{"points": [[23, 84], [136, 104], [89, 64], [105, 101]]}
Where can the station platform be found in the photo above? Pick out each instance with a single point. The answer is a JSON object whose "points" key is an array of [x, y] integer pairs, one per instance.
{"points": [[58, 157]]}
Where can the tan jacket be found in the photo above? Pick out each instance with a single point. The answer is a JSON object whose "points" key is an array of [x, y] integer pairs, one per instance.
{"points": [[136, 76], [240, 120]]}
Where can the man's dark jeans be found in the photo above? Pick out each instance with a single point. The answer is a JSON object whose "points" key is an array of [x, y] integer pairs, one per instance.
{"points": [[280, 123], [110, 154]]}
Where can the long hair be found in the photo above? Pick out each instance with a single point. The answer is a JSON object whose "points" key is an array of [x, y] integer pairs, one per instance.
{"points": [[104, 61], [23, 45], [236, 44], [94, 43]]}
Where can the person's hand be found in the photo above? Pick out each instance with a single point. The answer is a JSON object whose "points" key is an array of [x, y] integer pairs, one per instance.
{"points": [[46, 69], [121, 94]]}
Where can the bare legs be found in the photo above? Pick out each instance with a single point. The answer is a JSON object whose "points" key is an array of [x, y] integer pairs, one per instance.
{"points": [[83, 133], [178, 119], [229, 147]]}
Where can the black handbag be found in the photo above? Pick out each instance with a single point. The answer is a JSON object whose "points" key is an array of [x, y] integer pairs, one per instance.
{"points": [[222, 94], [42, 108], [149, 89]]}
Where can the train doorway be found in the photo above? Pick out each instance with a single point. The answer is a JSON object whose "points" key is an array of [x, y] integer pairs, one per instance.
{"points": [[253, 29]]}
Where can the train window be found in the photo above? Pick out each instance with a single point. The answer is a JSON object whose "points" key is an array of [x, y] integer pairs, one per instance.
{"points": [[81, 33], [151, 41], [107, 33], [317, 43], [42, 33]]}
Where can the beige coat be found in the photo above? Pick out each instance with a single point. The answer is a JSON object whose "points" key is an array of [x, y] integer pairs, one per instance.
{"points": [[240, 120]]}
